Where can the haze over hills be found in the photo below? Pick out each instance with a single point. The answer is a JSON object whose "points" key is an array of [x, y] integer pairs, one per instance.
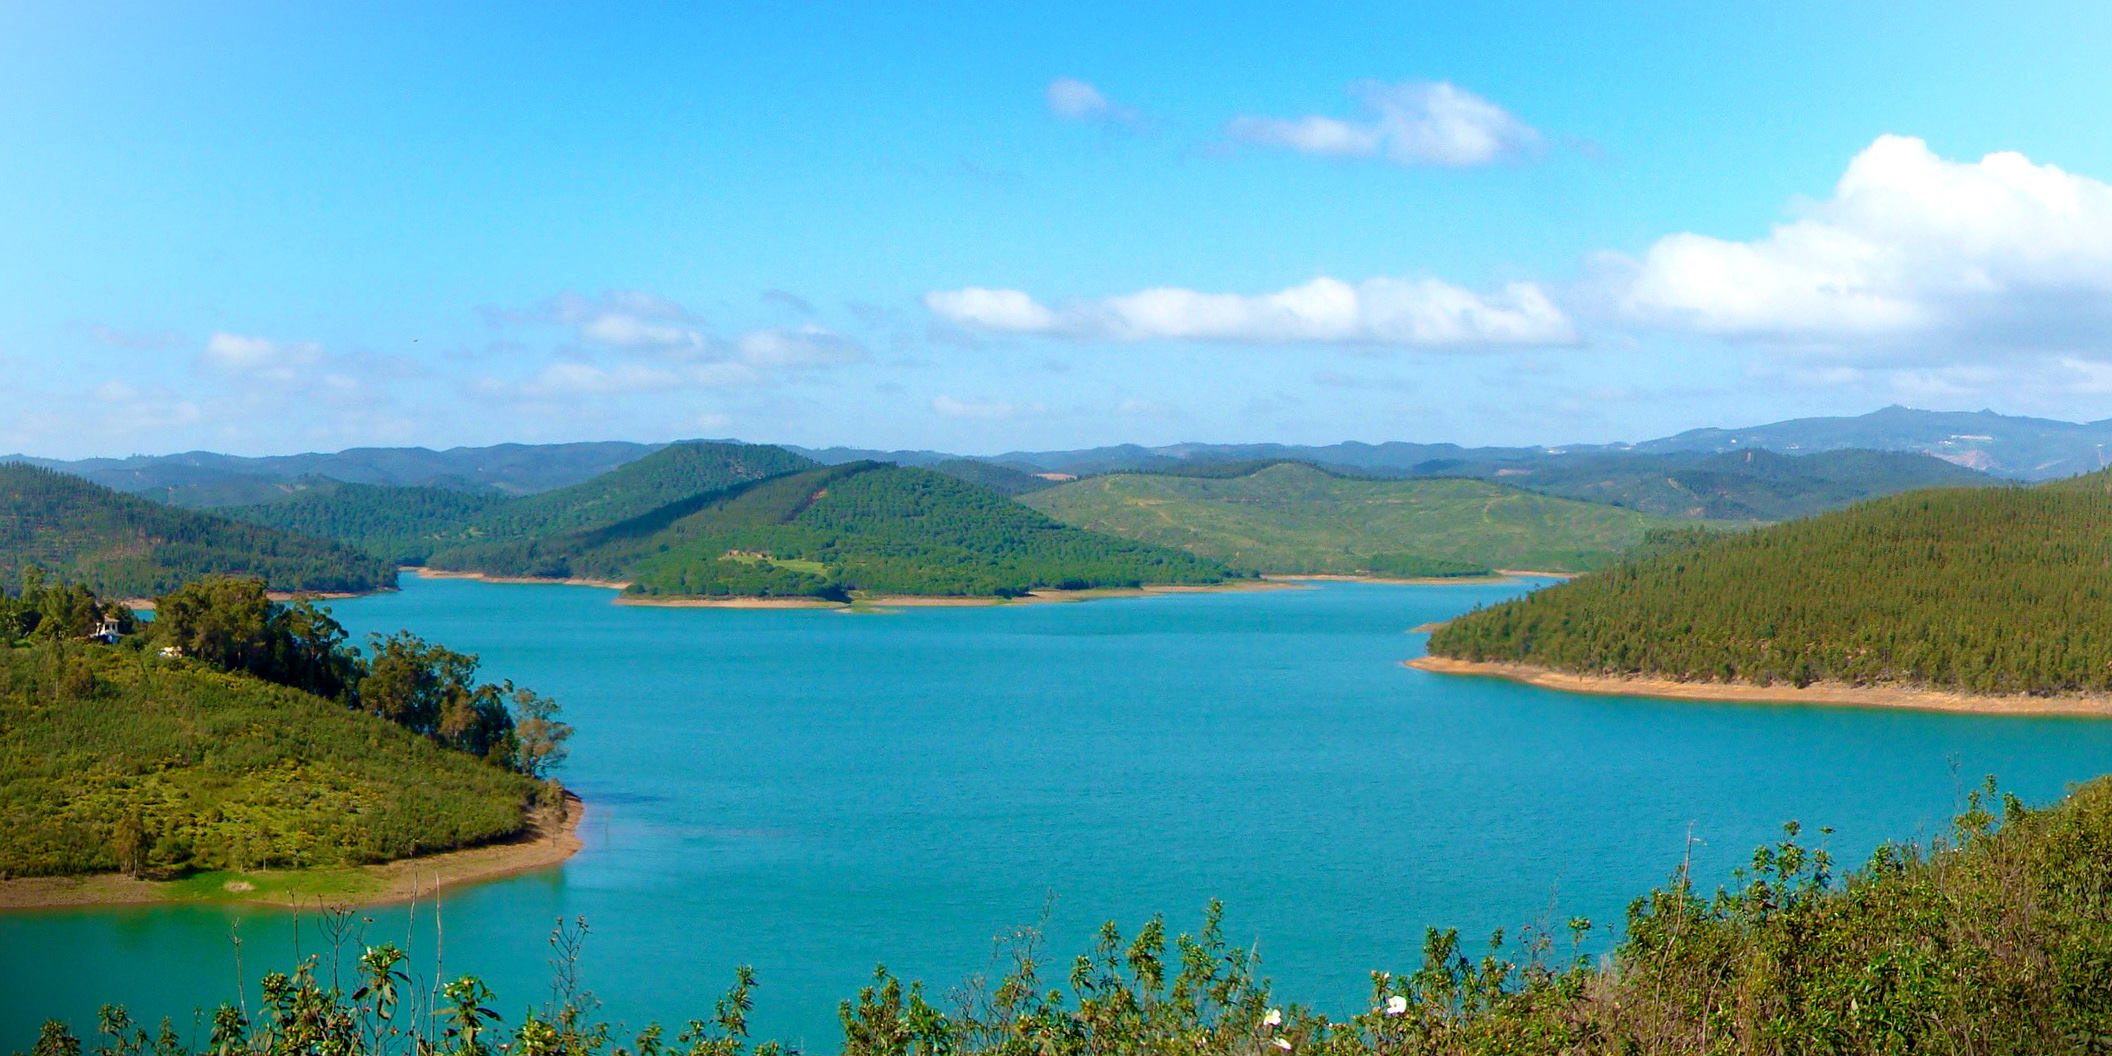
{"points": [[2025, 448], [1998, 444], [1749, 485], [202, 478], [1291, 517]]}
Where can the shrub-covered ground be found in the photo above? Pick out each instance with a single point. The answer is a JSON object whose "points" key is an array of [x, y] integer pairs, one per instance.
{"points": [[114, 758]]}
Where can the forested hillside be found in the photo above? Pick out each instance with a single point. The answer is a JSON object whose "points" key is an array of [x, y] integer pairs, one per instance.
{"points": [[1003, 479], [1291, 517], [407, 525], [862, 526], [1754, 485], [132, 547], [672, 473], [1992, 590], [397, 524]]}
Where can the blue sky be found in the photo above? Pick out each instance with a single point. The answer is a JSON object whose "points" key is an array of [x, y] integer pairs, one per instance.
{"points": [[251, 228]]}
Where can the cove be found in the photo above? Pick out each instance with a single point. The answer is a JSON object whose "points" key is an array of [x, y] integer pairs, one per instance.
{"points": [[816, 792]]}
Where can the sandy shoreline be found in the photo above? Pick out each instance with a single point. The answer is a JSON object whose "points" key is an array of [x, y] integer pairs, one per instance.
{"points": [[434, 573], [547, 843], [1824, 693], [928, 601], [1355, 577]]}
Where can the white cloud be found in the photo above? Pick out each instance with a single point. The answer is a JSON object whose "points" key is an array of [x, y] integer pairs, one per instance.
{"points": [[804, 346], [620, 330], [263, 357], [994, 410], [1074, 100], [1003, 311], [1999, 252], [1416, 123], [1382, 312]]}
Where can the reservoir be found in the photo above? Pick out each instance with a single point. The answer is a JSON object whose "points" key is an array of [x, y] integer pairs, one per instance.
{"points": [[818, 792]]}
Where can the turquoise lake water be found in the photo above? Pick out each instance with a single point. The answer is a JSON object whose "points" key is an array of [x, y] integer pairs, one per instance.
{"points": [[816, 792]]}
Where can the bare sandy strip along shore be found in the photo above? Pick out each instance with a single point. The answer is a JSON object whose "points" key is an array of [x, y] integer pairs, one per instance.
{"points": [[548, 842], [729, 603], [434, 573], [929, 601], [1356, 577], [1817, 693]]}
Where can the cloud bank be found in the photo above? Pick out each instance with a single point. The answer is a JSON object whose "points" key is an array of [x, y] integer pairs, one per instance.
{"points": [[1416, 123], [1994, 253], [1379, 312]]}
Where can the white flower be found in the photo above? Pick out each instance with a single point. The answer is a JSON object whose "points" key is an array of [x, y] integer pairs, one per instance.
{"points": [[1396, 1005], [1284, 1044], [1273, 1019]]}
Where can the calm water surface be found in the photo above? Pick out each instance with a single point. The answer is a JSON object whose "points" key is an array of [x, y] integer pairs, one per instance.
{"points": [[816, 792]]}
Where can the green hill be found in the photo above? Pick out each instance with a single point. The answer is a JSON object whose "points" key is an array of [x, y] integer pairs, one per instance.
{"points": [[862, 526], [111, 758], [670, 474], [1981, 590], [398, 524], [1291, 517], [128, 546], [1736, 486], [408, 524]]}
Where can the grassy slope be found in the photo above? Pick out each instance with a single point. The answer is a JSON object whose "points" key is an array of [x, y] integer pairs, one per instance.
{"points": [[221, 771], [1984, 590], [871, 527], [1289, 517], [126, 546]]}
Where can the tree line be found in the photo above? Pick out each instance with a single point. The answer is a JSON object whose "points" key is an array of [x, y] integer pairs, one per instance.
{"points": [[230, 623]]}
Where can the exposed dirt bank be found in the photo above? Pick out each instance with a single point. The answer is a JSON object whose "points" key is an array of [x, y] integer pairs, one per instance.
{"points": [[1837, 693]]}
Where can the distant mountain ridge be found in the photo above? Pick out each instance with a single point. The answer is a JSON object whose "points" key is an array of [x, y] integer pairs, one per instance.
{"points": [[2003, 445], [203, 478]]}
